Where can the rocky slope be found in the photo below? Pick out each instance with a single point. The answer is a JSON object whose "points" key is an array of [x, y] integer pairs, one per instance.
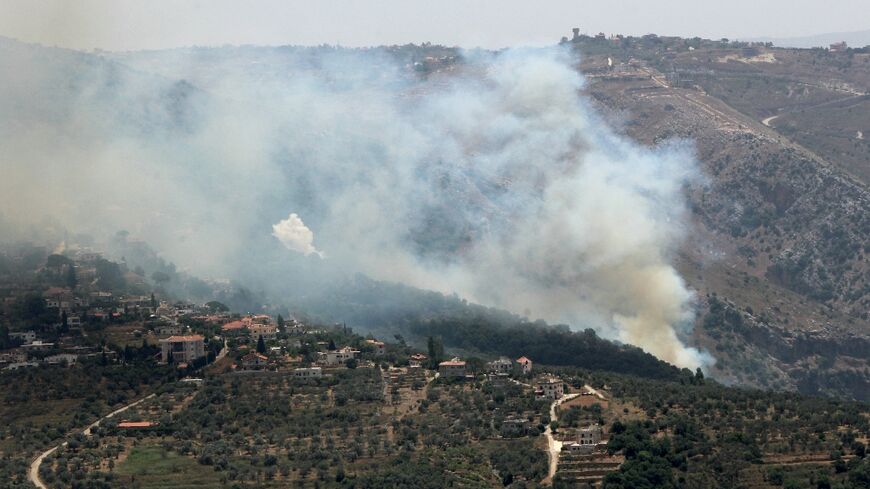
{"points": [[780, 238]]}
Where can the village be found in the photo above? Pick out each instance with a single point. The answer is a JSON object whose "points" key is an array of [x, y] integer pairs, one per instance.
{"points": [[196, 392], [72, 320]]}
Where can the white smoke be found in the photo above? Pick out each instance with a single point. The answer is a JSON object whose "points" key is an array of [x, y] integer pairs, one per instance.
{"points": [[496, 182], [295, 235]]}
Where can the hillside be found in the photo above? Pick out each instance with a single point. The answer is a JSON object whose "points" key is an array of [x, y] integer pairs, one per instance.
{"points": [[777, 252], [782, 223]]}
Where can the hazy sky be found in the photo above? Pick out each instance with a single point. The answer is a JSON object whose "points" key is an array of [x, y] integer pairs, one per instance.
{"points": [[144, 24]]}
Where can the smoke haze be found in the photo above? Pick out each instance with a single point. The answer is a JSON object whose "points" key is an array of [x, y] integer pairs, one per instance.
{"points": [[496, 181]]}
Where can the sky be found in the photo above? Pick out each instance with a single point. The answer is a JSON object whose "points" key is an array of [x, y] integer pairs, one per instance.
{"points": [[121, 25]]}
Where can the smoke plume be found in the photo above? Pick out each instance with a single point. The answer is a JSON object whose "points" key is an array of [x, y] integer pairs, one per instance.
{"points": [[492, 178], [295, 235]]}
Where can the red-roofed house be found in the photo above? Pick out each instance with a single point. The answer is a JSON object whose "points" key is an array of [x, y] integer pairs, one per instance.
{"points": [[254, 361], [417, 360], [136, 424], [452, 368], [525, 365], [234, 328]]}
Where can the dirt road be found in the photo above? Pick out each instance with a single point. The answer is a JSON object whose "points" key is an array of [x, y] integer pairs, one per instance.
{"points": [[554, 446], [33, 473]]}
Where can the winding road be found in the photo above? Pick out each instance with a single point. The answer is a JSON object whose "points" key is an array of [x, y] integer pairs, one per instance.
{"points": [[33, 473], [554, 446]]}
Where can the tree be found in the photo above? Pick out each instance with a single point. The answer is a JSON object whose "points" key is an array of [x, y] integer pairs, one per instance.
{"points": [[71, 280], [261, 345], [331, 346], [153, 300], [215, 306], [64, 322], [699, 376], [436, 351], [109, 275], [57, 262], [280, 322], [161, 278]]}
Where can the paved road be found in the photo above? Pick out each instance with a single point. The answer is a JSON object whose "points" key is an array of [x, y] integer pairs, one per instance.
{"points": [[33, 473]]}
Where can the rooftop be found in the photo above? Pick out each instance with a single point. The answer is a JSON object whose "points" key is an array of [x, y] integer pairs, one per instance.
{"points": [[175, 339], [136, 424]]}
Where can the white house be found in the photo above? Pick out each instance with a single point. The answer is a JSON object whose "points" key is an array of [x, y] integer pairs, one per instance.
{"points": [[65, 359], [308, 373], [26, 337], [336, 357]]}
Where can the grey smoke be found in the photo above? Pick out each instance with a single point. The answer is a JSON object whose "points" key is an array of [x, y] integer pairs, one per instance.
{"points": [[496, 181]]}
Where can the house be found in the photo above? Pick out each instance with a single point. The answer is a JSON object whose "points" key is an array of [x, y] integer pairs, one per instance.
{"points": [[19, 365], [308, 373], [514, 426], [38, 345], [578, 448], [417, 360], [838, 47], [64, 359], [452, 368], [165, 310], [168, 329], [102, 297], [525, 365], [591, 435], [336, 357], [380, 347], [134, 425], [14, 356], [260, 330], [58, 298], [550, 388], [502, 366], [182, 349], [254, 361], [74, 321], [26, 337], [234, 328]]}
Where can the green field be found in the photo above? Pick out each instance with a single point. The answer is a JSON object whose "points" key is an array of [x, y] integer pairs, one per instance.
{"points": [[152, 466]]}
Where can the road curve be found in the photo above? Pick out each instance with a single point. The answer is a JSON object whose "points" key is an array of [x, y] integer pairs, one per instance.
{"points": [[766, 121], [554, 446], [33, 473]]}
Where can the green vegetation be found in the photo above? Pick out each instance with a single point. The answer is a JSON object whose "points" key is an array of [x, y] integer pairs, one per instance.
{"points": [[152, 466]]}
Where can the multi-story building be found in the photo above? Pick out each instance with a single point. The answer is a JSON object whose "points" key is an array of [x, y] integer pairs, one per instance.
{"points": [[525, 365], [591, 435], [550, 388], [452, 368], [182, 349], [502, 366], [265, 331]]}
